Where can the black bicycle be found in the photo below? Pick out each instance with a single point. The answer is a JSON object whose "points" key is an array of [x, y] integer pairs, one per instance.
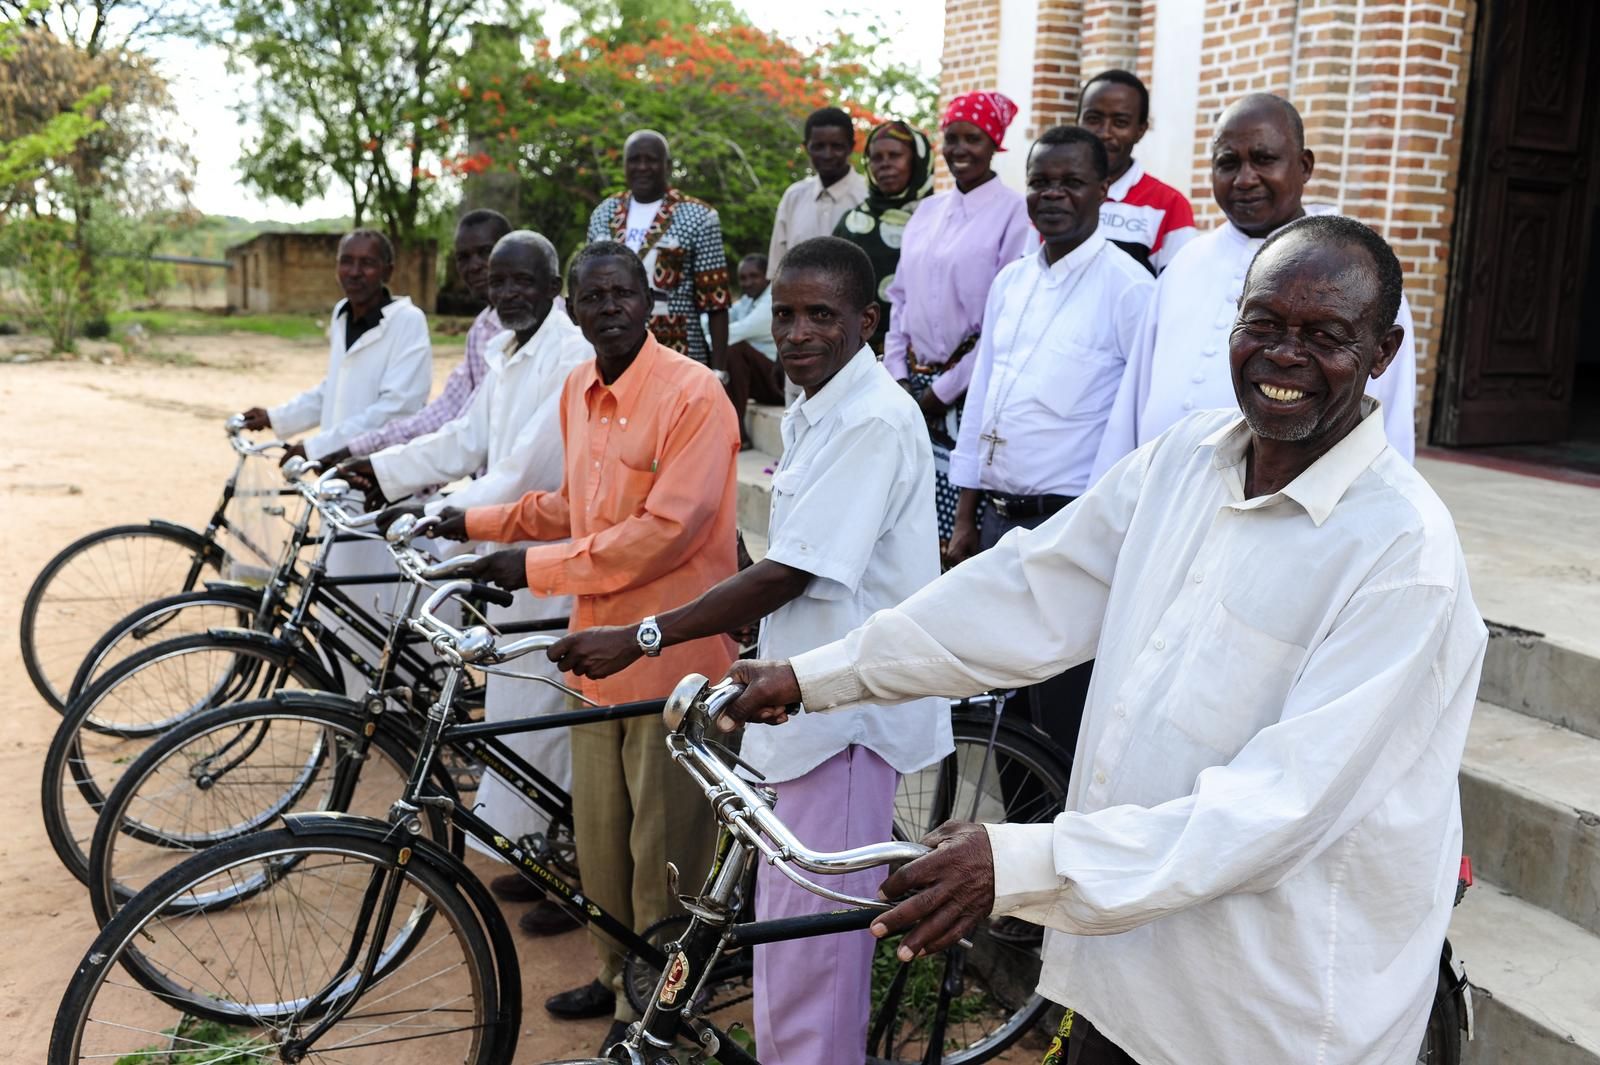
{"points": [[340, 935], [100, 577]]}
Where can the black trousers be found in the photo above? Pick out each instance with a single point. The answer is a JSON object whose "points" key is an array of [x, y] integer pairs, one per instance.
{"points": [[1055, 705]]}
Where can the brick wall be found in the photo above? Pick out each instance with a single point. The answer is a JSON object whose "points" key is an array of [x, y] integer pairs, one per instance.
{"points": [[1381, 84]]}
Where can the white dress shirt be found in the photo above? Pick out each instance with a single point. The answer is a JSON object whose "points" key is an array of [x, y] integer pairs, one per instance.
{"points": [[852, 505], [1053, 355], [511, 429], [386, 373], [1263, 833], [811, 209], [1180, 365]]}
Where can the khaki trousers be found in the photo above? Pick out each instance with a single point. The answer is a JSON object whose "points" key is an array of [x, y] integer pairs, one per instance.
{"points": [[633, 810]]}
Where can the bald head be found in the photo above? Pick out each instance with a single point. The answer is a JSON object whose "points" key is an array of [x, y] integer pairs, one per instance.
{"points": [[647, 165], [1260, 164]]}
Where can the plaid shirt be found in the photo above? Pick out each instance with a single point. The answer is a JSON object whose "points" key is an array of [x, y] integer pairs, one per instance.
{"points": [[450, 404]]}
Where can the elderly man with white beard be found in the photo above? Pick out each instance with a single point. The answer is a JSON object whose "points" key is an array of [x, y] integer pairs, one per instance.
{"points": [[512, 431]]}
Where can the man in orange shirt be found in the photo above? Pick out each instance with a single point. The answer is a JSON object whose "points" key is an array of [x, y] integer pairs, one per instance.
{"points": [[646, 516]]}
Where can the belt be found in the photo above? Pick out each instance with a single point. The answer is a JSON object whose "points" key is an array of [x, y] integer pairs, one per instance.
{"points": [[1019, 508], [940, 367]]}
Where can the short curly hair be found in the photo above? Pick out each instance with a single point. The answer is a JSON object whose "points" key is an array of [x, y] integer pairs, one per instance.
{"points": [[1344, 230]]}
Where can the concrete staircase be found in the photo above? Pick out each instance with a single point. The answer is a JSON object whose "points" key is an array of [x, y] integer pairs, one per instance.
{"points": [[1528, 932]]}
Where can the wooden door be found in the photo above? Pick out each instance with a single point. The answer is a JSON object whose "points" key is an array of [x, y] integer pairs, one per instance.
{"points": [[1523, 225]]}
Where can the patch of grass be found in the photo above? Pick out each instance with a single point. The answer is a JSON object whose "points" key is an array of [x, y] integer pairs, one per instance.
{"points": [[197, 1042], [173, 322], [178, 359]]}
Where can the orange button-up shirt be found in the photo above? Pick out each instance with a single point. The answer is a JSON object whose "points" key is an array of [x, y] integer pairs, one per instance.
{"points": [[648, 502]]}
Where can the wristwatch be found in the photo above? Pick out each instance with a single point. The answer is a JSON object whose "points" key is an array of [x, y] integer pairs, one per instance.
{"points": [[649, 637]]}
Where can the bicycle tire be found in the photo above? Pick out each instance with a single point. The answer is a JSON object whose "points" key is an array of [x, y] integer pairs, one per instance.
{"points": [[1441, 1039], [226, 607], [52, 678], [221, 756], [435, 907], [81, 765]]}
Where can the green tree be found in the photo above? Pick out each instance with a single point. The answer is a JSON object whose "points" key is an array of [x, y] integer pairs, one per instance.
{"points": [[354, 92], [731, 98]]}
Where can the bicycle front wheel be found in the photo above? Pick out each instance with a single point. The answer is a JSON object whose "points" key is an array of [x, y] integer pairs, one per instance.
{"points": [[236, 770], [251, 981], [94, 581]]}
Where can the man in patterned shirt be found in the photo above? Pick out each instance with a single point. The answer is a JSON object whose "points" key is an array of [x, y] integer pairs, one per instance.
{"points": [[679, 238], [476, 235]]}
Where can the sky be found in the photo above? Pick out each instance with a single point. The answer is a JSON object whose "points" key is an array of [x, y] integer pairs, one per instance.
{"points": [[205, 93]]}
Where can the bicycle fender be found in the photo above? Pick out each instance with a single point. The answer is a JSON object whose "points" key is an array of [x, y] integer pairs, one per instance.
{"points": [[212, 549], [236, 637]]}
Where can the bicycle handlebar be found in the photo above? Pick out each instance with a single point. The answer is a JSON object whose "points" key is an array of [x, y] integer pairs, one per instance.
{"points": [[691, 708]]}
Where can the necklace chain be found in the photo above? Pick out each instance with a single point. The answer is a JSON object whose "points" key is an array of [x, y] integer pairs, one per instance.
{"points": [[993, 434]]}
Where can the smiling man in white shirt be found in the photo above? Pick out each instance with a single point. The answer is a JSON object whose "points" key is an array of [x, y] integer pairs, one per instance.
{"points": [[1259, 852], [852, 532], [1259, 169], [512, 431]]}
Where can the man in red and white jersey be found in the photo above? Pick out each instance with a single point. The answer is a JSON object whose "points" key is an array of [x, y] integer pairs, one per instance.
{"points": [[1147, 218]]}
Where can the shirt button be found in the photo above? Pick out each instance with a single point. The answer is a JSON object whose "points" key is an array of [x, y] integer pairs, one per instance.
{"points": [[1099, 778], [1199, 578], [1198, 378], [1188, 404], [1209, 352], [1122, 711], [604, 421], [597, 465], [622, 421], [1160, 644]]}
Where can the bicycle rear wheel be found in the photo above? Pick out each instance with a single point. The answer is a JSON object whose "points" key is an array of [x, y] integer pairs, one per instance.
{"points": [[94, 581], [236, 770], [246, 980], [152, 691]]}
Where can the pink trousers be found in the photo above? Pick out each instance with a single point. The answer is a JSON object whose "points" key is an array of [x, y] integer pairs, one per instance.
{"points": [[812, 996]]}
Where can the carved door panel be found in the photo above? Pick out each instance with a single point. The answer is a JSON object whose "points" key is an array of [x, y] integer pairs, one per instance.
{"points": [[1522, 238]]}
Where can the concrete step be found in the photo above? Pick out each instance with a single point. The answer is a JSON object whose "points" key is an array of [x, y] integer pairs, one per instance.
{"points": [[1535, 979], [1530, 807], [755, 491], [1543, 677], [766, 427]]}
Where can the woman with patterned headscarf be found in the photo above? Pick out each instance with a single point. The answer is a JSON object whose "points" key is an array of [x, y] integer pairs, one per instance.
{"points": [[899, 176], [950, 253]]}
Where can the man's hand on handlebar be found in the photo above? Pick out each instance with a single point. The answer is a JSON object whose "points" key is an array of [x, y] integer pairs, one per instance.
{"points": [[506, 569], [257, 418], [359, 473], [951, 890], [770, 691], [452, 524], [393, 514], [597, 652], [293, 451]]}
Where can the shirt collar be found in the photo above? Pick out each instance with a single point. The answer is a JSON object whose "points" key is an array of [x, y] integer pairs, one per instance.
{"points": [[844, 186], [1071, 262], [630, 386], [507, 339], [843, 384], [1130, 177], [374, 316], [1320, 486]]}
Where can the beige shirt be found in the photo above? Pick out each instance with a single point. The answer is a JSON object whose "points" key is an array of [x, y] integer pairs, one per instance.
{"points": [[810, 209], [1263, 821]]}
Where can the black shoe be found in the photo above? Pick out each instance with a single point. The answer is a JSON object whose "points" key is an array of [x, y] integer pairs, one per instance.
{"points": [[593, 999], [614, 1035], [515, 888], [545, 918]]}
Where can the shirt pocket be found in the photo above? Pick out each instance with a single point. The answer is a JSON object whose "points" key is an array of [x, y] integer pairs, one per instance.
{"points": [[1070, 376], [625, 496], [1234, 683]]}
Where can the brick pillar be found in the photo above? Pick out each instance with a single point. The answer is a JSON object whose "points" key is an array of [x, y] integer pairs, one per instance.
{"points": [[971, 56], [1058, 43]]}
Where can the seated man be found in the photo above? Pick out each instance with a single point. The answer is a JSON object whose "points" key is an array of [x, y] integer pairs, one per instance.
{"points": [[852, 533], [512, 430], [1262, 836], [645, 513], [475, 238], [753, 368]]}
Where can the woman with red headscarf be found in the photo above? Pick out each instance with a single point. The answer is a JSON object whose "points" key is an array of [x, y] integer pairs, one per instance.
{"points": [[951, 251]]}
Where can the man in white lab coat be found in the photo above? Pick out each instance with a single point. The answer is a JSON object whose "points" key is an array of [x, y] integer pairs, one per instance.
{"points": [[512, 431], [380, 361]]}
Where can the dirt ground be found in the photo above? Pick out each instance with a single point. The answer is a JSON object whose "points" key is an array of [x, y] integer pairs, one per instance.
{"points": [[84, 445]]}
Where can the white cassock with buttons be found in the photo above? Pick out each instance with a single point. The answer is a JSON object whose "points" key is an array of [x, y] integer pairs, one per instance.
{"points": [[1179, 362]]}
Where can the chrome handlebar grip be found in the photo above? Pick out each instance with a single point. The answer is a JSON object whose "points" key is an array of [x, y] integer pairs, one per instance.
{"points": [[450, 567], [235, 424], [408, 527]]}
